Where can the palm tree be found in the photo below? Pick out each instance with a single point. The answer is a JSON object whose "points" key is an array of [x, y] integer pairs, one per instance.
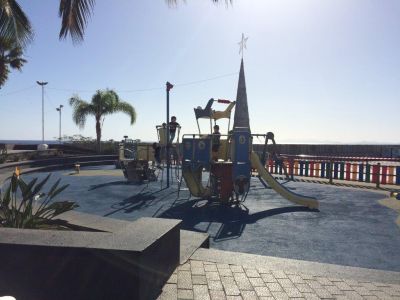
{"points": [[74, 16], [14, 24], [10, 56], [104, 102]]}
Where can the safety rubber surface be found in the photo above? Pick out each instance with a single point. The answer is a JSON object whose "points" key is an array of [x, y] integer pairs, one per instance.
{"points": [[350, 228]]}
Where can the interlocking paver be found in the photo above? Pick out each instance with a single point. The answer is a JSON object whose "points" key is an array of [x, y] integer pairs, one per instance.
{"points": [[285, 282], [343, 286], [266, 298], [173, 279], [206, 280], [196, 264], [371, 297], [238, 297], [227, 280], [292, 292], [296, 279], [303, 287], [199, 279], [274, 286], [185, 294], [363, 291], [236, 269], [334, 290], [198, 270], [212, 275], [256, 281], [210, 268], [263, 270], [200, 292], [231, 289], [225, 272], [370, 286], [262, 291], [215, 285], [217, 295], [280, 295], [184, 280], [310, 296], [352, 282], [169, 291], [249, 295], [222, 266], [324, 280], [252, 273], [353, 295], [381, 295], [268, 278], [242, 281], [323, 293], [184, 267], [279, 274], [314, 284]]}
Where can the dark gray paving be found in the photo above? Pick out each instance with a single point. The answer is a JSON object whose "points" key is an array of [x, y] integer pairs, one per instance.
{"points": [[351, 228]]}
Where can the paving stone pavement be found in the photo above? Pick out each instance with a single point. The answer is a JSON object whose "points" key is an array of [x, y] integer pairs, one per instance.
{"points": [[208, 280]]}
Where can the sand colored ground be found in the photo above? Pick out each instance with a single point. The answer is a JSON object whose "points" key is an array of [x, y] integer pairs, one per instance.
{"points": [[394, 204]]}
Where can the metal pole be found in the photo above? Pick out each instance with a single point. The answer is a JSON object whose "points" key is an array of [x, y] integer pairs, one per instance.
{"points": [[168, 87], [59, 133], [42, 83]]}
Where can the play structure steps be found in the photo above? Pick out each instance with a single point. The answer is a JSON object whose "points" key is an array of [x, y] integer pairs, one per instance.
{"points": [[309, 202]]}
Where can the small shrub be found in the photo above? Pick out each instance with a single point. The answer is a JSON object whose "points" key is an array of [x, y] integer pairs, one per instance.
{"points": [[18, 210]]}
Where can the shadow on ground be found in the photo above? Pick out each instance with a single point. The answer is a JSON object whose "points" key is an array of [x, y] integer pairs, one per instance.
{"points": [[233, 219]]}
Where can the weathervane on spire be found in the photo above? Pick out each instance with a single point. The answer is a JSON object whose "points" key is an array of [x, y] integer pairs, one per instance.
{"points": [[242, 44]]}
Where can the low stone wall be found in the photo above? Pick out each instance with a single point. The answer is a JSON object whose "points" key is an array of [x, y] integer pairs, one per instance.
{"points": [[124, 260]]}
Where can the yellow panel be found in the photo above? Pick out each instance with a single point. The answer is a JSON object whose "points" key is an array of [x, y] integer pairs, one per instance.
{"points": [[163, 136]]}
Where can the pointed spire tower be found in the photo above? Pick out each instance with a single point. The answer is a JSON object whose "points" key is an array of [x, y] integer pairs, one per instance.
{"points": [[241, 118]]}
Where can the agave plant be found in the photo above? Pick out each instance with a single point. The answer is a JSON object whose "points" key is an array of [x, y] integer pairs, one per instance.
{"points": [[19, 210]]}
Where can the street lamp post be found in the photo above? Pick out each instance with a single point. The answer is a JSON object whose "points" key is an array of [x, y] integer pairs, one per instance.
{"points": [[59, 110], [42, 83]]}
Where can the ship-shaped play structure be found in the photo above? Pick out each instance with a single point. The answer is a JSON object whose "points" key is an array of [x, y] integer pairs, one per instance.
{"points": [[230, 169]]}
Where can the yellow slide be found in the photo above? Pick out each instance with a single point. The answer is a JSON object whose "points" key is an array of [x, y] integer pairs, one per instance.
{"points": [[309, 202], [194, 184]]}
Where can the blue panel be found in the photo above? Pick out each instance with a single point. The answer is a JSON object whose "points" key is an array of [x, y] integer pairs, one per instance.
{"points": [[397, 175], [196, 151], [360, 172], [241, 159], [322, 169], [202, 152], [187, 150]]}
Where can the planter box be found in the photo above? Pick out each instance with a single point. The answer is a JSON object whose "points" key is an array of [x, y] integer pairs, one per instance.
{"points": [[131, 261]]}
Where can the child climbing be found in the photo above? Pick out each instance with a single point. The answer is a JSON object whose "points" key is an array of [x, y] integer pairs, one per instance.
{"points": [[216, 136], [157, 154], [172, 128]]}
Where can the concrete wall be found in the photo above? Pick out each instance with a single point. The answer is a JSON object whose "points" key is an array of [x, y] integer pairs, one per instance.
{"points": [[132, 262]]}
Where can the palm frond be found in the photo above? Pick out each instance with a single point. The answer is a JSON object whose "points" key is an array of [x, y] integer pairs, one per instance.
{"points": [[14, 24], [4, 71], [126, 108], [81, 109], [74, 16]]}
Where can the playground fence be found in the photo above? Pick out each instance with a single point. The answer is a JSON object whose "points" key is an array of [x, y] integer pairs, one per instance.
{"points": [[361, 171]]}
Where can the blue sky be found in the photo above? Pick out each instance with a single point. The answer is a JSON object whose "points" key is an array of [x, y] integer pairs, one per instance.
{"points": [[316, 71]]}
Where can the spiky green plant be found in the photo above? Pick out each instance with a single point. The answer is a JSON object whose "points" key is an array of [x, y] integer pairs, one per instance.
{"points": [[19, 210]]}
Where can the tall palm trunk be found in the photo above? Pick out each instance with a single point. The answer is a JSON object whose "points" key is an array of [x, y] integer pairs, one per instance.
{"points": [[98, 133]]}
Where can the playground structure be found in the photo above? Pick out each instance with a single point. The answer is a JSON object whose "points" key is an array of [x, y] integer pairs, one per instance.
{"points": [[228, 159], [230, 168], [134, 160]]}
